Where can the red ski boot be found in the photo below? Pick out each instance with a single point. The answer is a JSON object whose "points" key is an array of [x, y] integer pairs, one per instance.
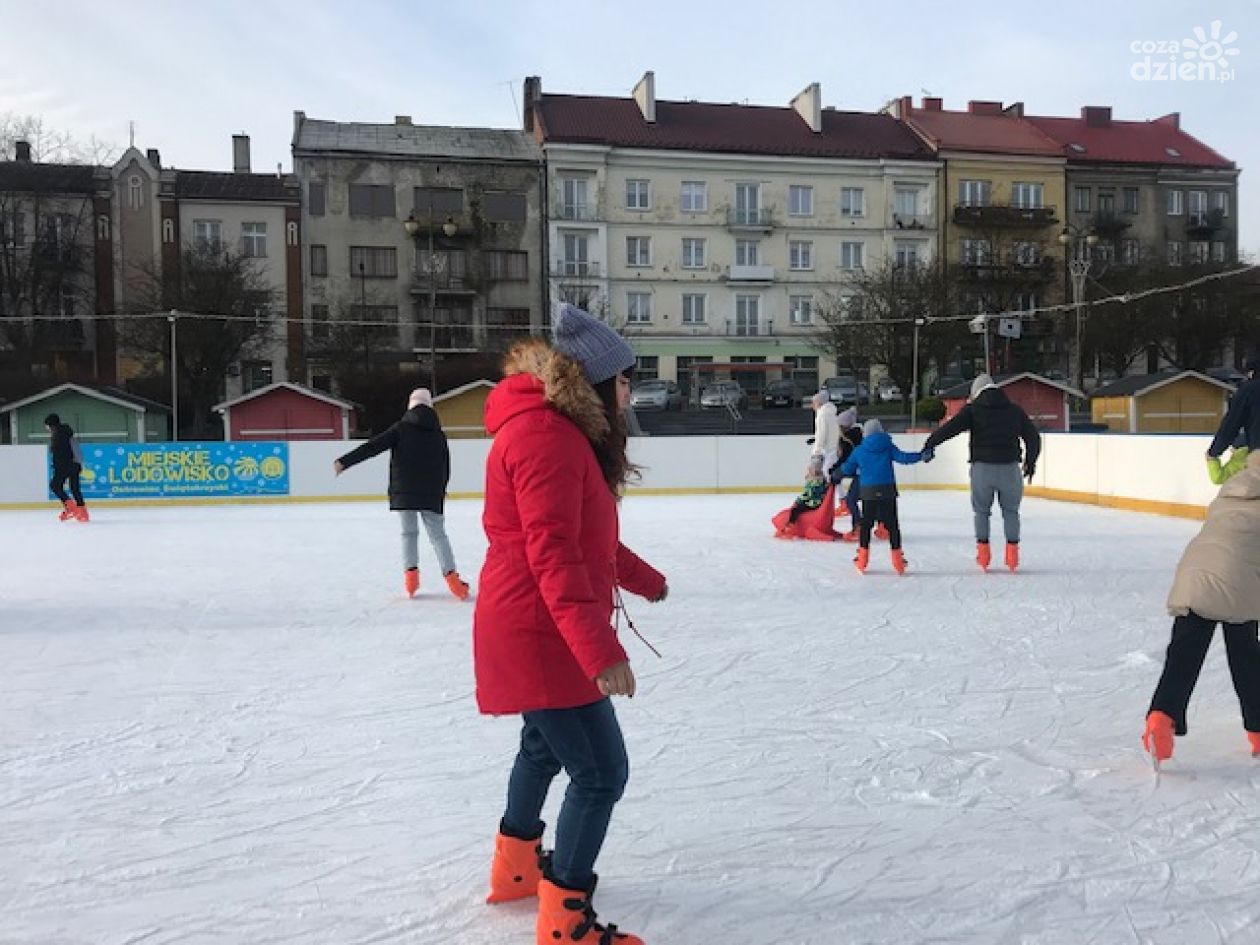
{"points": [[1254, 739], [411, 581], [853, 535], [566, 915], [81, 513], [68, 510], [516, 868], [898, 561], [881, 532], [457, 585], [983, 555], [862, 560], [1012, 556], [1158, 737]]}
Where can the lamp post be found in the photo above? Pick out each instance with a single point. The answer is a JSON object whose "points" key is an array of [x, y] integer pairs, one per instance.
{"points": [[174, 380], [1081, 241], [412, 226], [919, 322]]}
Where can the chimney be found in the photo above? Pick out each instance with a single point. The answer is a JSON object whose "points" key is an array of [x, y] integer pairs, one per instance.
{"points": [[1014, 110], [1172, 118], [155, 158], [984, 108], [1096, 116], [932, 104], [533, 98], [808, 104], [402, 120], [645, 95], [240, 154], [22, 151]]}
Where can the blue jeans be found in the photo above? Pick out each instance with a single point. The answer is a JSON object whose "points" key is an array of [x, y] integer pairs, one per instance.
{"points": [[586, 742]]}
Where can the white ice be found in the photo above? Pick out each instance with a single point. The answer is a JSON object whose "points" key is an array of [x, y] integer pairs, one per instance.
{"points": [[225, 725]]}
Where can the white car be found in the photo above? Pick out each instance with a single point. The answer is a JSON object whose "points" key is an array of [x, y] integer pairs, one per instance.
{"points": [[889, 391]]}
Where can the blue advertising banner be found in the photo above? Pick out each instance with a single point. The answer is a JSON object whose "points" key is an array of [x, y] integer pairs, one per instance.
{"points": [[183, 470]]}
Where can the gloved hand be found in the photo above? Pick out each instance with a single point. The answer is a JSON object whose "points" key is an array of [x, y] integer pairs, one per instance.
{"points": [[1030, 469], [928, 455]]}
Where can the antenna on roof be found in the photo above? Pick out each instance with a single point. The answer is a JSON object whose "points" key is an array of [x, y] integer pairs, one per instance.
{"points": [[131, 129]]}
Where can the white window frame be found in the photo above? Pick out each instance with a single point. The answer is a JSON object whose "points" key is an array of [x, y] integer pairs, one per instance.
{"points": [[1176, 203], [1176, 252], [693, 253], [1082, 197], [639, 252], [1130, 251], [571, 189], [1197, 204], [975, 252], [800, 200], [800, 255], [1136, 192], [914, 248], [201, 234], [974, 192], [638, 194], [638, 308], [852, 256], [1218, 251], [1026, 253], [254, 240], [748, 307], [1220, 201], [1199, 252], [801, 310], [1028, 195], [691, 301], [748, 252], [847, 208], [688, 202]]}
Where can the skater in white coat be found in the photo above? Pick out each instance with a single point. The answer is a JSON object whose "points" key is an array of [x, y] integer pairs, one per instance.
{"points": [[826, 443]]}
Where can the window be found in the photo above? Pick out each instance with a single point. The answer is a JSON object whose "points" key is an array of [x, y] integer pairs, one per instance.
{"points": [[507, 265], [208, 235], [693, 253], [1198, 204], [800, 200], [573, 199], [507, 324], [638, 250], [803, 369], [432, 203], [800, 255], [1027, 253], [1174, 253], [851, 255], [973, 193], [647, 367], [748, 203], [906, 207], [638, 307], [975, 252], [747, 252], [638, 195], [1027, 196], [1080, 199], [316, 197], [254, 240], [1130, 252], [747, 315], [320, 327], [852, 202], [1106, 204], [908, 252], [374, 262], [1218, 251], [372, 200], [575, 262], [255, 374], [1220, 201], [1025, 301], [503, 206], [13, 233], [1105, 252], [1176, 203], [693, 309], [801, 308], [1199, 250], [1130, 200], [319, 260], [694, 197], [449, 266], [135, 192]]}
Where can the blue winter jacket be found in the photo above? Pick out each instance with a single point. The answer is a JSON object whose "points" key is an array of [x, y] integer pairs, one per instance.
{"points": [[873, 460]]}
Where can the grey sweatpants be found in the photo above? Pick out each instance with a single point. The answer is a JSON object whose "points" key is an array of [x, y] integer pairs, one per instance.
{"points": [[435, 525], [1004, 480]]}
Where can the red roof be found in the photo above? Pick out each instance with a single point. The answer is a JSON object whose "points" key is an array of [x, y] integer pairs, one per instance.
{"points": [[997, 134], [1130, 142], [740, 129]]}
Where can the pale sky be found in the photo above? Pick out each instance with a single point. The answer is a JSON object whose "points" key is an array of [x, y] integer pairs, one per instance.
{"points": [[192, 75]]}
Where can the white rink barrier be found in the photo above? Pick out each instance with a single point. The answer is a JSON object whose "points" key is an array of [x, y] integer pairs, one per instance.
{"points": [[1162, 474]]}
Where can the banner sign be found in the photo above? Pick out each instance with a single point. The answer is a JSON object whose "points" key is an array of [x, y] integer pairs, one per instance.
{"points": [[183, 470]]}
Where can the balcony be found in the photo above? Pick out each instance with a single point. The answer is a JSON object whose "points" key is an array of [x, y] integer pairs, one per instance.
{"points": [[441, 283], [1201, 224], [446, 338], [912, 221], [1043, 270], [757, 218], [577, 212], [749, 328], [752, 275], [1109, 223], [1004, 215], [574, 270]]}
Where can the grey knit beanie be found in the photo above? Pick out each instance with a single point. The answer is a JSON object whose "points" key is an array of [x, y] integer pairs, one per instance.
{"points": [[597, 347], [982, 383], [872, 426]]}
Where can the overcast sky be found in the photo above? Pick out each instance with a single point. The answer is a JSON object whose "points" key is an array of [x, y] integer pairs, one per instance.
{"points": [[190, 76]]}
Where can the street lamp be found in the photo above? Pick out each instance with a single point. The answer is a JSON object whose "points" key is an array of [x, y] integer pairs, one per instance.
{"points": [[174, 380], [412, 226], [1081, 239]]}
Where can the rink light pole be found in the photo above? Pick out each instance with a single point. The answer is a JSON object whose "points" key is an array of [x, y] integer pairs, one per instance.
{"points": [[1079, 241], [172, 320], [919, 322]]}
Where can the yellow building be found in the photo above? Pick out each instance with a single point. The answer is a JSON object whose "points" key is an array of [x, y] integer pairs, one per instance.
{"points": [[1169, 402], [462, 410]]}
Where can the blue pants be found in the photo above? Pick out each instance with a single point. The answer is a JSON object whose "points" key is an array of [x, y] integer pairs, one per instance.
{"points": [[586, 742]]}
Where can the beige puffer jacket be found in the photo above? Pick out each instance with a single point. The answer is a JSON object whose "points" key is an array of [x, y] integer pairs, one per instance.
{"points": [[1219, 573]]}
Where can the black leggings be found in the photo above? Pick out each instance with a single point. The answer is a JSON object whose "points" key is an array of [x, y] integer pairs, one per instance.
{"points": [[1191, 637], [58, 484], [880, 510]]}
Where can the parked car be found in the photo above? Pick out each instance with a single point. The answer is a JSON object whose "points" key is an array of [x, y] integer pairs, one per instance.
{"points": [[782, 394], [846, 389], [724, 394], [656, 395], [888, 391]]}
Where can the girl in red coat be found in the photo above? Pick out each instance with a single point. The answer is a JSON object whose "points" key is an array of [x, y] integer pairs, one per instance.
{"points": [[543, 641]]}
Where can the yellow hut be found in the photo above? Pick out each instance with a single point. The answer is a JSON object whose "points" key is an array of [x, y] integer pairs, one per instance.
{"points": [[1168, 402], [462, 410]]}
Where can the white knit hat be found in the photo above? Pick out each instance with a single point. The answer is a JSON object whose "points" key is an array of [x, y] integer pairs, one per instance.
{"points": [[420, 397], [982, 383]]}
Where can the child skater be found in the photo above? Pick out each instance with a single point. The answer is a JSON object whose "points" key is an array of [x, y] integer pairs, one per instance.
{"points": [[811, 497], [873, 462]]}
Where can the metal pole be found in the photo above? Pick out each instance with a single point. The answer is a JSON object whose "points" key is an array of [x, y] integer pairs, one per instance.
{"points": [[432, 304], [174, 381], [914, 383], [988, 363]]}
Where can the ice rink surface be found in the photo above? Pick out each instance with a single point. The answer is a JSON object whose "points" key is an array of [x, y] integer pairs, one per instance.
{"points": [[226, 725]]}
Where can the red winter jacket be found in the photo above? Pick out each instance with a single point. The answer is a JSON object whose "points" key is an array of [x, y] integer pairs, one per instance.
{"points": [[543, 625]]}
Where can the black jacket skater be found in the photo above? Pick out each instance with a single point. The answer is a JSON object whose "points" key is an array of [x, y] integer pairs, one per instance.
{"points": [[997, 425], [64, 449], [419, 460]]}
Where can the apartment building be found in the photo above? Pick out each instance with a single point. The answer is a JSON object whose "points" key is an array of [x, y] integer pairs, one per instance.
{"points": [[712, 234]]}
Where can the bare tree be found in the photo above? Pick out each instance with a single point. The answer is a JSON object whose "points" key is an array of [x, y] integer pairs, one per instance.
{"points": [[224, 308], [51, 145]]}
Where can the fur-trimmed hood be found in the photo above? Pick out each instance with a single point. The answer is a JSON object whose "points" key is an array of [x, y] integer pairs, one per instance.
{"points": [[537, 377]]}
